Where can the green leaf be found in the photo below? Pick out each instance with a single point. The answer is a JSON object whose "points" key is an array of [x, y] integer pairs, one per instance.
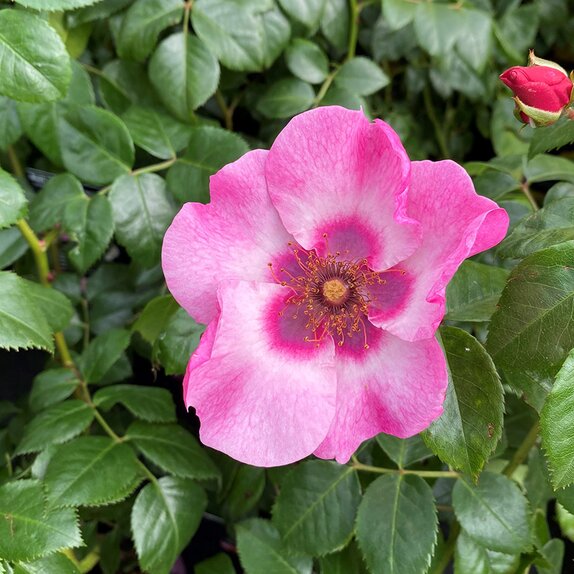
{"points": [[471, 557], [242, 489], [152, 404], [164, 517], [173, 449], [361, 76], [12, 200], [34, 64], [185, 74], [471, 425], [102, 353], [210, 148], [10, 129], [548, 226], [347, 561], [142, 210], [96, 145], [218, 564], [316, 507], [261, 552], [398, 13], [22, 324], [402, 542], [474, 291], [91, 471], [494, 513], [549, 168], [124, 84], [335, 23], [517, 30], [551, 137], [557, 426], [48, 206], [39, 122], [55, 305], [55, 5], [142, 25], [532, 330], [176, 344], [245, 36], [474, 43], [403, 451], [285, 98], [51, 387], [90, 223], [537, 483], [438, 27], [57, 424], [53, 564], [27, 529], [553, 553], [12, 246], [307, 61], [306, 12], [157, 133], [155, 317]]}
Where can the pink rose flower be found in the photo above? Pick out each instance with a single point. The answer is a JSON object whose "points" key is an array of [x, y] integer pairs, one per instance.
{"points": [[320, 267], [540, 92]]}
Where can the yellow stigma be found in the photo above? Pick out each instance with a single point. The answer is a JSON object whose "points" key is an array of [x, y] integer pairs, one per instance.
{"points": [[335, 292]]}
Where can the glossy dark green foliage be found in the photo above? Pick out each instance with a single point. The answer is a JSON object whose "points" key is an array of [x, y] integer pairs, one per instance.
{"points": [[113, 114]]}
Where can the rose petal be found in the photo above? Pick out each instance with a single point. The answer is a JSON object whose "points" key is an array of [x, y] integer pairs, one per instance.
{"points": [[396, 387], [331, 171], [264, 397], [456, 223], [232, 238]]}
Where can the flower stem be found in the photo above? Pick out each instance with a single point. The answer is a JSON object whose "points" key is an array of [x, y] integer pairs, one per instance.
{"points": [[325, 87], [38, 249], [353, 28], [225, 110], [186, 11], [422, 473], [146, 169], [522, 451], [524, 187]]}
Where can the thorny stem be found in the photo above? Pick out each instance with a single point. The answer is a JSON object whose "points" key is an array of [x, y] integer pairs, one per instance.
{"points": [[186, 12], [522, 451], [226, 110], [422, 473], [38, 248], [353, 28], [325, 87], [524, 187], [147, 169], [431, 112]]}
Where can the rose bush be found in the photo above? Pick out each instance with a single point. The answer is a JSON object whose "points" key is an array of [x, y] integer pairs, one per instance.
{"points": [[378, 129]]}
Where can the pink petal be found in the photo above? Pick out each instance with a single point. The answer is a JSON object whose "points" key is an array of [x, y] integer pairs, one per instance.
{"points": [[332, 171], [395, 386], [234, 237], [456, 224], [264, 397]]}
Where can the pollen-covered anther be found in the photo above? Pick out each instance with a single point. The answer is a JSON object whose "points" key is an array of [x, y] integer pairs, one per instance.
{"points": [[335, 292]]}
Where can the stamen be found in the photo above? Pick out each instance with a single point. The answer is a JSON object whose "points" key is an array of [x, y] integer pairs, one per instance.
{"points": [[333, 293]]}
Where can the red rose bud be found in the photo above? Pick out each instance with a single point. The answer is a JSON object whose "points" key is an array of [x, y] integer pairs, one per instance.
{"points": [[541, 92]]}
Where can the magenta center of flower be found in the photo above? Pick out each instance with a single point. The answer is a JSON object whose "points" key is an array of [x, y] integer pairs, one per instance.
{"points": [[332, 293]]}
